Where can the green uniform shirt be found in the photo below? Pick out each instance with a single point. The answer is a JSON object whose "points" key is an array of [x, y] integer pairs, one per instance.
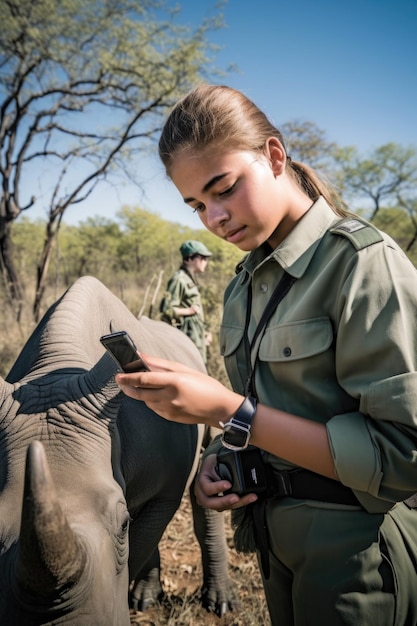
{"points": [[182, 292], [341, 347]]}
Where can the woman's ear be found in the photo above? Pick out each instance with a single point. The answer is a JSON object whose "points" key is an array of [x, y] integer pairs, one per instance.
{"points": [[276, 155]]}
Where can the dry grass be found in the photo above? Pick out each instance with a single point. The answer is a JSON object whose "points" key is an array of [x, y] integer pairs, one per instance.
{"points": [[182, 577]]}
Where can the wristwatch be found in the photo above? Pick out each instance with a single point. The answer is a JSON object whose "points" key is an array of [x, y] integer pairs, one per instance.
{"points": [[236, 432]]}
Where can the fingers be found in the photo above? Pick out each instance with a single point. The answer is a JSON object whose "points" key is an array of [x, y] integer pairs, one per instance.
{"points": [[210, 489], [220, 502], [161, 379], [185, 396], [158, 364], [137, 380], [211, 495]]}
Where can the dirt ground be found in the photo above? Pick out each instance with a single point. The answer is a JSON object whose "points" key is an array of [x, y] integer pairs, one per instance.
{"points": [[182, 578]]}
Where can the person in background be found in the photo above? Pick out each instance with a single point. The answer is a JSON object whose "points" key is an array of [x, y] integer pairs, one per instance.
{"points": [[181, 305], [319, 336]]}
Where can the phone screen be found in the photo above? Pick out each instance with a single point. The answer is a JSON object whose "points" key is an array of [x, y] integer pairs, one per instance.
{"points": [[123, 350]]}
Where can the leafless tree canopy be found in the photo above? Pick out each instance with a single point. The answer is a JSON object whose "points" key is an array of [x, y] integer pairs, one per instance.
{"points": [[83, 87]]}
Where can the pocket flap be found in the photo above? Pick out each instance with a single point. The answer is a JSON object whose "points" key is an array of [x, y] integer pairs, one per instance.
{"points": [[296, 340]]}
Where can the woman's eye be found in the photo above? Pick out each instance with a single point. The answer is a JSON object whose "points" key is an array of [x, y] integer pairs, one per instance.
{"points": [[228, 191]]}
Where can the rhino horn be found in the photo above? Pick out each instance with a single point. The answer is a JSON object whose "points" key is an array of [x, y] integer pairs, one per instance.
{"points": [[50, 555]]}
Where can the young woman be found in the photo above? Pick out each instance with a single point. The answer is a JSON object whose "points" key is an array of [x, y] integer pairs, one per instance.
{"points": [[323, 372]]}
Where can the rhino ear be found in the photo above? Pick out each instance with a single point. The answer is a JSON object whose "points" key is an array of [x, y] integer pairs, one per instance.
{"points": [[50, 554], [100, 379]]}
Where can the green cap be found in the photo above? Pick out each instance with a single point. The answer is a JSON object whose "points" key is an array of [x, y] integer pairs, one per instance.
{"points": [[188, 248]]}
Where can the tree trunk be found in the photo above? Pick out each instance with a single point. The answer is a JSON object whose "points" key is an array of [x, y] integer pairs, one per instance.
{"points": [[10, 277], [43, 267], [411, 242]]}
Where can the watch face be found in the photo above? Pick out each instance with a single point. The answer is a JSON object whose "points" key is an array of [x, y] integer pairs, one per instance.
{"points": [[235, 436]]}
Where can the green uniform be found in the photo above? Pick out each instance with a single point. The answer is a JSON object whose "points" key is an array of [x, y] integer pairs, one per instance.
{"points": [[182, 292], [340, 349]]}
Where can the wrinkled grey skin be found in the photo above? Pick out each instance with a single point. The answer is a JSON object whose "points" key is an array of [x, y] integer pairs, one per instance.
{"points": [[104, 474]]}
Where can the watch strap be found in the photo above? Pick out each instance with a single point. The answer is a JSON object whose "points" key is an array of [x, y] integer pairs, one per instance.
{"points": [[241, 421]]}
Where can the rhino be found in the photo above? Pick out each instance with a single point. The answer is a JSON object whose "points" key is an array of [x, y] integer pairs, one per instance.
{"points": [[91, 478]]}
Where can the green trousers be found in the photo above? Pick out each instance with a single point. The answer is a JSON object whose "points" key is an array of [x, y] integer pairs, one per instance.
{"points": [[335, 565]]}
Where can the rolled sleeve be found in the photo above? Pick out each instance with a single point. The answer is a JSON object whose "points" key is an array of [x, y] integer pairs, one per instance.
{"points": [[375, 449], [357, 460]]}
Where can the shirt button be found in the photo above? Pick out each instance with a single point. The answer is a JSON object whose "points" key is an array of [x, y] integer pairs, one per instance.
{"points": [[264, 288], [287, 351]]}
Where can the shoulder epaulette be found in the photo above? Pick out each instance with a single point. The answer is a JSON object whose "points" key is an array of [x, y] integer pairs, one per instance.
{"points": [[360, 233]]}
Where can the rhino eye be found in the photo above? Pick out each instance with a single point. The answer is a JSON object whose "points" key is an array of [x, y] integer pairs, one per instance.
{"points": [[122, 543], [124, 528]]}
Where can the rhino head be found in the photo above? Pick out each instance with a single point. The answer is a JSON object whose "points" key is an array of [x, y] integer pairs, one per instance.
{"points": [[63, 514]]}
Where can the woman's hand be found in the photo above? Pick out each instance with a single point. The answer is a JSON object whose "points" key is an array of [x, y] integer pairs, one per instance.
{"points": [[180, 394], [209, 489]]}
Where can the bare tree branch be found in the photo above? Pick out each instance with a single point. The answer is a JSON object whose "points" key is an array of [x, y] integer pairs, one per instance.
{"points": [[83, 88]]}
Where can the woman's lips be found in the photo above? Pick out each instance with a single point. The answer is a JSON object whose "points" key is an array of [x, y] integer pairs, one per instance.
{"points": [[233, 236]]}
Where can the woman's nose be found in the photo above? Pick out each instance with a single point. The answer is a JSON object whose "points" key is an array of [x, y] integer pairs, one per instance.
{"points": [[216, 214]]}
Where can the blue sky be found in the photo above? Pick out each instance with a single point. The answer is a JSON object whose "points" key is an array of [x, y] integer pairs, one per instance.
{"points": [[349, 67]]}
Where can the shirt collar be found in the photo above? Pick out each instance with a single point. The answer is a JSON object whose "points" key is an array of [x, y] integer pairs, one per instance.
{"points": [[185, 269], [296, 251]]}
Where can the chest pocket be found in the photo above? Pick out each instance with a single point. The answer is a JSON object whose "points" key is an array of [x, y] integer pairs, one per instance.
{"points": [[230, 338], [296, 340]]}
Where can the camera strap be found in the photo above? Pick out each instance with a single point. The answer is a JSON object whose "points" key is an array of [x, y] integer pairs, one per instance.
{"points": [[278, 294], [258, 508]]}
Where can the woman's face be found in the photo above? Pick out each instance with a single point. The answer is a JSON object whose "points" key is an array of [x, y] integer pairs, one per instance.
{"points": [[239, 195]]}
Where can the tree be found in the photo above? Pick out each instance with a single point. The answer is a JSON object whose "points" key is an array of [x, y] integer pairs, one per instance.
{"points": [[83, 87], [148, 236], [396, 222], [91, 248], [386, 178], [308, 143]]}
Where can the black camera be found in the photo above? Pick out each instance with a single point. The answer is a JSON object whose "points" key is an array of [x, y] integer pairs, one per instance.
{"points": [[245, 469]]}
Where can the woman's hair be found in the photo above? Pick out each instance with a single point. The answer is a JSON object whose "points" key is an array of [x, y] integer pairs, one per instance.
{"points": [[220, 117]]}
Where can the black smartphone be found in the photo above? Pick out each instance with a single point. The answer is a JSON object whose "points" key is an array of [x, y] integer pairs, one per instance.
{"points": [[123, 350]]}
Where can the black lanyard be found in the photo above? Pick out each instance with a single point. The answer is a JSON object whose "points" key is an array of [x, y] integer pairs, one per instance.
{"points": [[279, 293]]}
